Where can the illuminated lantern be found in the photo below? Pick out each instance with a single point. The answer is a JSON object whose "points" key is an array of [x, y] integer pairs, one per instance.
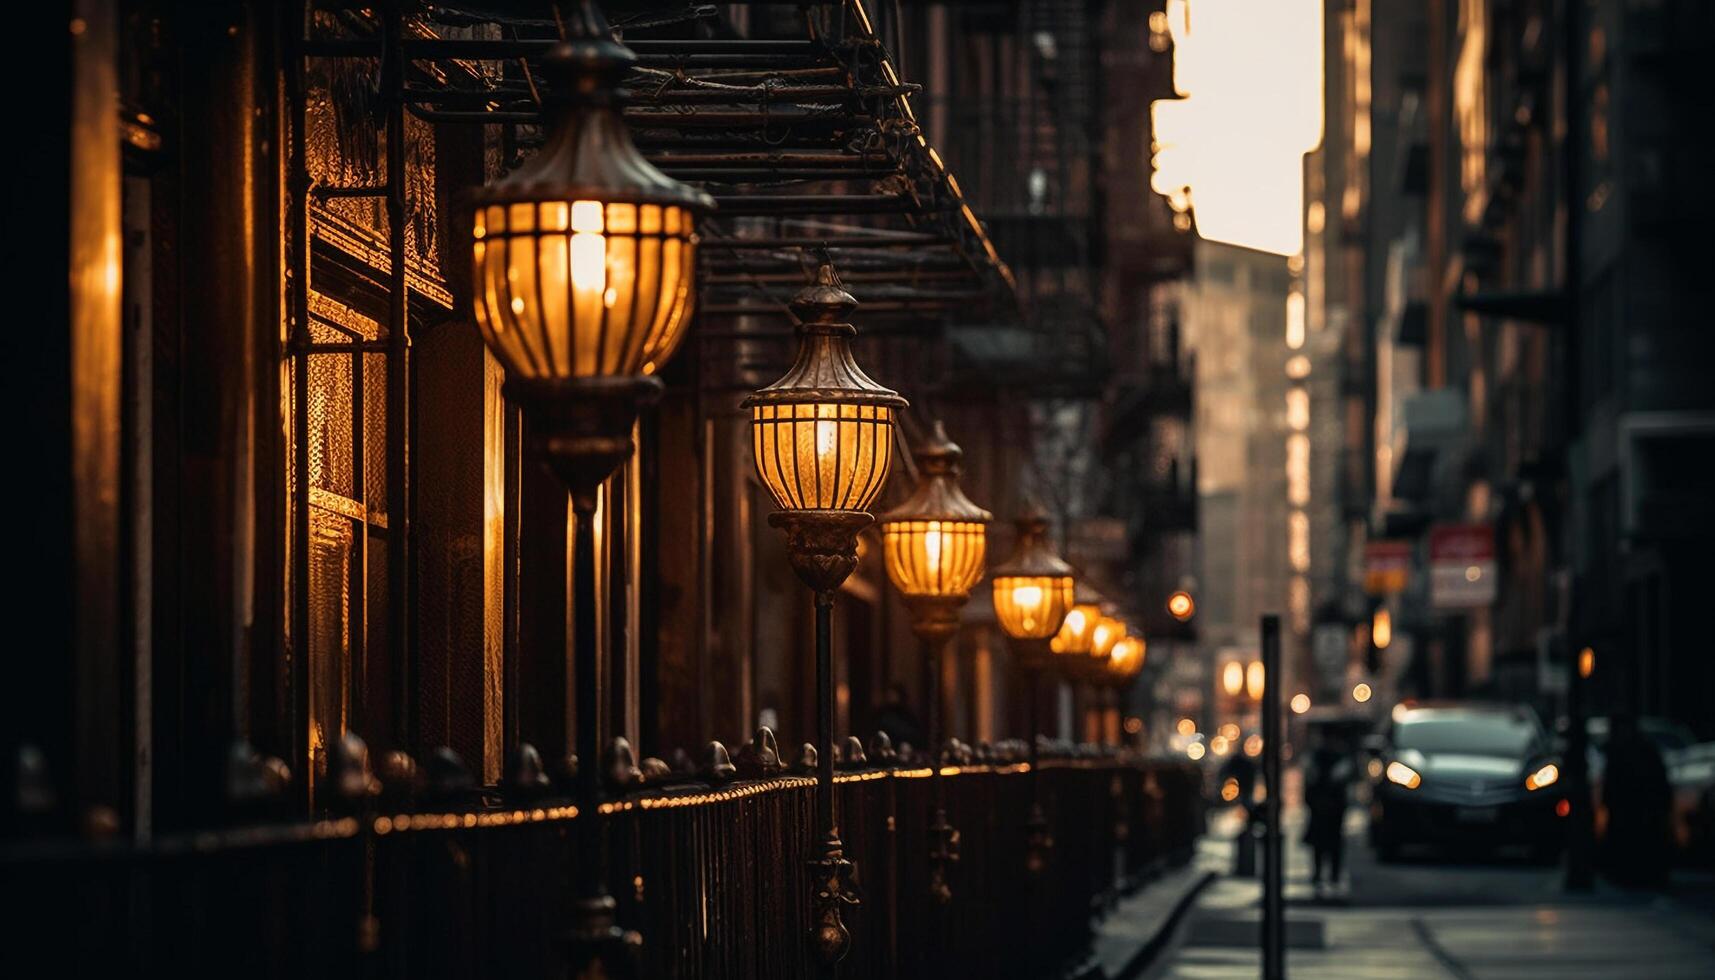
{"points": [[1078, 630], [584, 257], [935, 541], [822, 439], [1108, 632], [1032, 589], [1127, 657], [822, 436]]}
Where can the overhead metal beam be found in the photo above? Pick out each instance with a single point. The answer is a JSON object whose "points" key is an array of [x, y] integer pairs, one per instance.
{"points": [[892, 239], [822, 204]]}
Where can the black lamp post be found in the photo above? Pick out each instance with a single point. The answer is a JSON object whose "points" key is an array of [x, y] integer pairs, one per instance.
{"points": [[1123, 666], [1032, 595], [584, 262], [935, 542], [822, 438]]}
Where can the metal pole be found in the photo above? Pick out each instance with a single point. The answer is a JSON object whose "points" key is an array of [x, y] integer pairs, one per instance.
{"points": [[298, 281], [1033, 693], [932, 723], [1273, 925], [825, 715], [1580, 837], [398, 373], [830, 870], [941, 848], [594, 930], [1038, 838]]}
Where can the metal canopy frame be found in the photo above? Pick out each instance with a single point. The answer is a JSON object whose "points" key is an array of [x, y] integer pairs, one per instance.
{"points": [[807, 142]]}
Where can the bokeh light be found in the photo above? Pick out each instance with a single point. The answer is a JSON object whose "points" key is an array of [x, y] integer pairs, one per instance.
{"points": [[1181, 606]]}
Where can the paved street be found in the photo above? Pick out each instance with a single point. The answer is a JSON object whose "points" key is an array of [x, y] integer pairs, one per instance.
{"points": [[1464, 917]]}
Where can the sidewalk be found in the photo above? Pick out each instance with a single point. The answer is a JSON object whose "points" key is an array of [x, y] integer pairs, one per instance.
{"points": [[1545, 934]]}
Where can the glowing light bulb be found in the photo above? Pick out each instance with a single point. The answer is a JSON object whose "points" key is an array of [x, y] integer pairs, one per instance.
{"points": [[1027, 597], [932, 547], [827, 439], [589, 247]]}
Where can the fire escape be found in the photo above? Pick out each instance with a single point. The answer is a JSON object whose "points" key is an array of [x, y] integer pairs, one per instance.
{"points": [[1020, 125], [1147, 423]]}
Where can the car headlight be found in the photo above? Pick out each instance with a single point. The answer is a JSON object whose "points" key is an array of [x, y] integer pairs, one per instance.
{"points": [[1401, 774], [1546, 776]]}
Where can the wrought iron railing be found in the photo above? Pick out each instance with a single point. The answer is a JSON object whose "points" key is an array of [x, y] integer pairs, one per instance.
{"points": [[712, 875]]}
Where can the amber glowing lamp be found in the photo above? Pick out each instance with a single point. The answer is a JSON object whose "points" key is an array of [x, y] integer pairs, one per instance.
{"points": [[822, 442]]}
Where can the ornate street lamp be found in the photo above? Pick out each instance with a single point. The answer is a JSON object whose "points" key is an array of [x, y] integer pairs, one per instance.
{"points": [[1073, 658], [1127, 657], [1093, 667], [822, 438], [1109, 631], [1033, 592], [1124, 663], [1077, 631], [1032, 589], [583, 262], [935, 543]]}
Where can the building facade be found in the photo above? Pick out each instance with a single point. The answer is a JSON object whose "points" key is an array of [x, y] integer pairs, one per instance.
{"points": [[1526, 271]]}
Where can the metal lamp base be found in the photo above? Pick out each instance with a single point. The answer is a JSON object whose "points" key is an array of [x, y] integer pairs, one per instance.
{"points": [[580, 428], [831, 877], [821, 544], [935, 621], [822, 547]]}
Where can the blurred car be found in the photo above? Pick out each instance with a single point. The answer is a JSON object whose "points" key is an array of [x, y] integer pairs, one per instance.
{"points": [[1472, 774], [1691, 773]]}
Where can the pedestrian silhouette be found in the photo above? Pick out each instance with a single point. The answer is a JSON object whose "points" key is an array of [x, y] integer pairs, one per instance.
{"points": [[1328, 772], [1636, 793]]}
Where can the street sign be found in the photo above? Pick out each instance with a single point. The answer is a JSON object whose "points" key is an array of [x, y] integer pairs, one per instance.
{"points": [[1462, 571], [1387, 567]]}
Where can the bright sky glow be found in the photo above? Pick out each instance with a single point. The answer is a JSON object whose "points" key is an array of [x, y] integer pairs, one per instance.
{"points": [[1251, 74]]}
